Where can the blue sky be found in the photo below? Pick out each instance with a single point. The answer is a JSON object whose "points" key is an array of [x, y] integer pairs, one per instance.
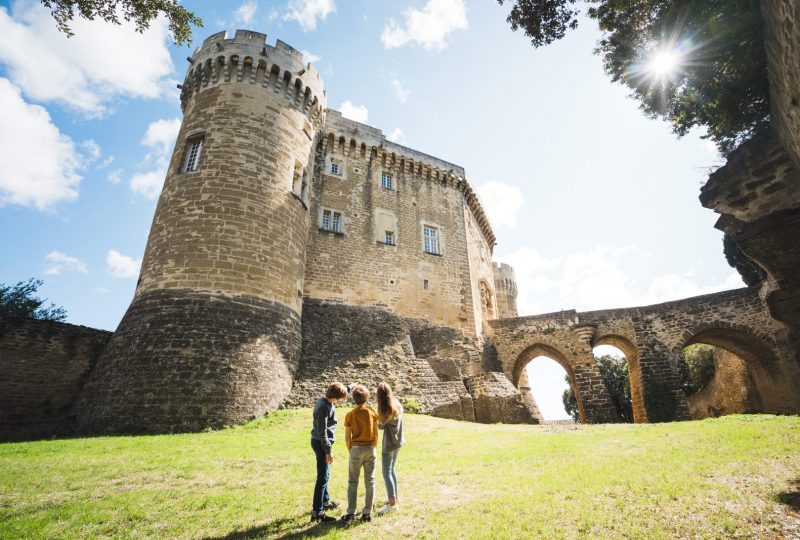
{"points": [[594, 204]]}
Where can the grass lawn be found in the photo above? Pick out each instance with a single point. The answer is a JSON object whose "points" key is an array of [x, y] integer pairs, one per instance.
{"points": [[733, 477]]}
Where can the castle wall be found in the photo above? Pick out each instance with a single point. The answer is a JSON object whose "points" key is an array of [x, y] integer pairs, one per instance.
{"points": [[43, 365], [481, 274], [356, 265]]}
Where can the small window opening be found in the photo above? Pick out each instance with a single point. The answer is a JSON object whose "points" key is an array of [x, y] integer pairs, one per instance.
{"points": [[192, 160], [331, 221], [389, 238], [431, 238], [386, 181], [425, 284]]}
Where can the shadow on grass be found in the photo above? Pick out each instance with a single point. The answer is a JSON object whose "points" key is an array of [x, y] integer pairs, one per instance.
{"points": [[791, 498], [285, 529]]}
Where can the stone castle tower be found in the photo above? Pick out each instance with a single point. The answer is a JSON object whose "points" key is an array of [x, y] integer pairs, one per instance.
{"points": [[212, 336], [505, 285]]}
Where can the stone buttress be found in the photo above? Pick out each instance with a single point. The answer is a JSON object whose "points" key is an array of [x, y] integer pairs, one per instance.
{"points": [[212, 336]]}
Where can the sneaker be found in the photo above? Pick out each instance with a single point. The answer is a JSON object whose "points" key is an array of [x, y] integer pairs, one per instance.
{"points": [[387, 509], [322, 518], [366, 517], [331, 505], [348, 518]]}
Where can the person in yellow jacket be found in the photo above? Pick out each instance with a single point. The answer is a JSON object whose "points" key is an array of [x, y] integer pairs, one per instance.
{"points": [[361, 439]]}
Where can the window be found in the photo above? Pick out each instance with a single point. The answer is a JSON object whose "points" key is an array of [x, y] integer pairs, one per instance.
{"points": [[192, 160], [300, 183], [386, 181], [431, 240], [425, 284], [332, 221], [389, 238], [336, 166]]}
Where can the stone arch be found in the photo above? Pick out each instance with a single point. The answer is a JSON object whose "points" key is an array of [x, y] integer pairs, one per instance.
{"points": [[748, 345], [559, 356], [634, 373]]}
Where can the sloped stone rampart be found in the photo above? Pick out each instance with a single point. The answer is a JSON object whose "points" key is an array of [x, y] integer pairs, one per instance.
{"points": [[496, 399], [43, 365], [369, 345]]}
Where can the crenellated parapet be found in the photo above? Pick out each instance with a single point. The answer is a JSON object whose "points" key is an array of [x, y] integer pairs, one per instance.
{"points": [[248, 58], [348, 137]]}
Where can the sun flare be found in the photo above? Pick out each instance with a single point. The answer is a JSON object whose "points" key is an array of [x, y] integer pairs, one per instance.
{"points": [[664, 63]]}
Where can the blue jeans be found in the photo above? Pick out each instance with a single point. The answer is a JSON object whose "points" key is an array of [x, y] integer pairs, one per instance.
{"points": [[388, 460], [323, 473]]}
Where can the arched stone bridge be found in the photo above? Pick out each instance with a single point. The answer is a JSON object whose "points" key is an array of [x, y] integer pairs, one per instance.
{"points": [[652, 339]]}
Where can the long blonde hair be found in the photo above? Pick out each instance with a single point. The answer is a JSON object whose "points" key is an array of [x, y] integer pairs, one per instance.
{"points": [[387, 406]]}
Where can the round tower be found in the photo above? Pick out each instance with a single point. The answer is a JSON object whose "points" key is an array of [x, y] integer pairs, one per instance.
{"points": [[505, 286], [212, 336]]}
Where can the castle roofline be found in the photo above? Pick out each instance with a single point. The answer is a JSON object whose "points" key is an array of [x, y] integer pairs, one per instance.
{"points": [[374, 138]]}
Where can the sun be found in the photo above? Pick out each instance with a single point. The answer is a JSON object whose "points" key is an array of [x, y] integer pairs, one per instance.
{"points": [[664, 63]]}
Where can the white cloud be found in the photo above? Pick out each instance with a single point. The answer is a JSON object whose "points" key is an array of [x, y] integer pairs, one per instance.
{"points": [[596, 279], [60, 262], [91, 151], [122, 266], [428, 27], [397, 136], [400, 91], [115, 177], [309, 57], [306, 12], [105, 163], [359, 113], [161, 135], [246, 13], [160, 138], [39, 163], [100, 62], [502, 202], [148, 184]]}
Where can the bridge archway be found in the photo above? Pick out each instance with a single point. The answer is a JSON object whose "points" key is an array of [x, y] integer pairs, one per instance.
{"points": [[745, 377], [628, 349], [560, 357]]}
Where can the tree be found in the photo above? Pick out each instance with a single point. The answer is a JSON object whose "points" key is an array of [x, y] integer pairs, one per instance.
{"points": [[19, 301], [696, 367], [692, 62], [141, 12], [751, 272], [570, 403]]}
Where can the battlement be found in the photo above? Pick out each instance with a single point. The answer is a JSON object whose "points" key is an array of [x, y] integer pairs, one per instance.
{"points": [[345, 135], [247, 57]]}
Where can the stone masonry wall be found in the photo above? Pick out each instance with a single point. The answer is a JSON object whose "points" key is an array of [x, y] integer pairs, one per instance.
{"points": [[43, 365], [782, 39], [356, 265]]}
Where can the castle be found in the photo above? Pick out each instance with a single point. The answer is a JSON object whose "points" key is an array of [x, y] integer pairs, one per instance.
{"points": [[292, 246]]}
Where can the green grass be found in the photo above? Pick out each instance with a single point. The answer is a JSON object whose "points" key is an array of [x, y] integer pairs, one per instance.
{"points": [[734, 477]]}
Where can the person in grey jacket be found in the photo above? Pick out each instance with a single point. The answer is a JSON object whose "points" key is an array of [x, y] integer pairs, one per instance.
{"points": [[390, 420], [323, 433]]}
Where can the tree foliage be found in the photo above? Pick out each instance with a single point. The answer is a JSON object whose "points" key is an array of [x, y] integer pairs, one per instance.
{"points": [[751, 272], [570, 403], [696, 367], [19, 301], [141, 12], [720, 81]]}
